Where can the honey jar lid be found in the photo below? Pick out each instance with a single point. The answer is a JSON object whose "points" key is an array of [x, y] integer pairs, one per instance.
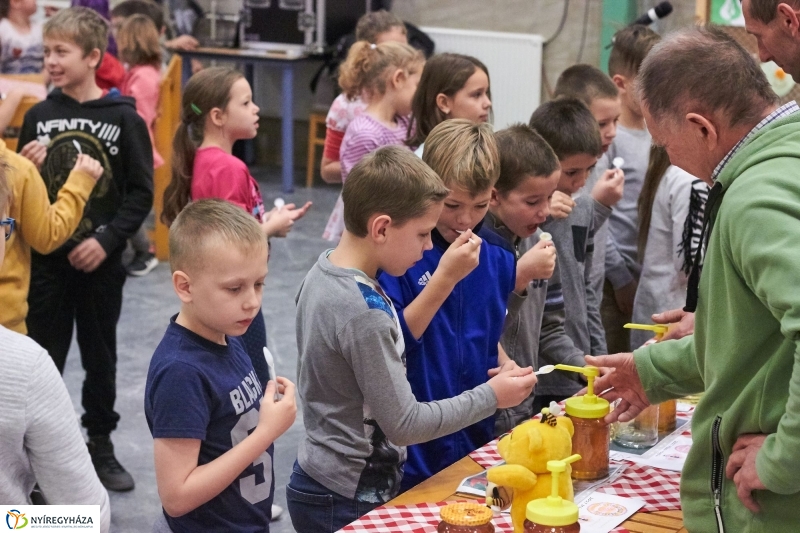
{"points": [[466, 514], [589, 405]]}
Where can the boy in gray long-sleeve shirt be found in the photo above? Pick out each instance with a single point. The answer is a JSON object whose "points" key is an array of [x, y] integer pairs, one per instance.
{"points": [[529, 173], [571, 130], [358, 408]]}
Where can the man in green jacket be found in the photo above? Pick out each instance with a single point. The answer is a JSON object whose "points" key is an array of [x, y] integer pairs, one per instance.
{"points": [[708, 103]]}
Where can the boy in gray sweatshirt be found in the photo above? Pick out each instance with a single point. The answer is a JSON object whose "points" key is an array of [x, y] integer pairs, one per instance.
{"points": [[529, 174], [571, 130], [358, 409]]}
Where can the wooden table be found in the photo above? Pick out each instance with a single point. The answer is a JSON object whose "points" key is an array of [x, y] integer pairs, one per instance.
{"points": [[442, 486]]}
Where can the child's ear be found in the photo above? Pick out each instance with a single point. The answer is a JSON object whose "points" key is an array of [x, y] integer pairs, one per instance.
{"points": [[620, 81], [182, 285], [494, 201], [443, 103], [378, 228], [398, 77], [94, 58], [217, 116]]}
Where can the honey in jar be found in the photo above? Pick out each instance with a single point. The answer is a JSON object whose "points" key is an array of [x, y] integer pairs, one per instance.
{"points": [[465, 518], [591, 437], [553, 514], [666, 416]]}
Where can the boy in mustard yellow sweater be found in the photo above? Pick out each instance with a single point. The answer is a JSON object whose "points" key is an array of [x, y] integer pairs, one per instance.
{"points": [[39, 225]]}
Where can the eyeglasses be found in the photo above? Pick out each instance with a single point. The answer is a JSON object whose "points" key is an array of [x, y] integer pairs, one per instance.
{"points": [[9, 224]]}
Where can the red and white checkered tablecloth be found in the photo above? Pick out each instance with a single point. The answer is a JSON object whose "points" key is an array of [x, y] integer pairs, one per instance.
{"points": [[420, 518], [658, 488]]}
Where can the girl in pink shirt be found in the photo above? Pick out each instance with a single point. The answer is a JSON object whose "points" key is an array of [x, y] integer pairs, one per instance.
{"points": [[139, 48], [217, 110], [388, 73]]}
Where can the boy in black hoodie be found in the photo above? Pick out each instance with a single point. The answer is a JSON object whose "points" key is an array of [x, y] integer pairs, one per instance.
{"points": [[81, 282]]}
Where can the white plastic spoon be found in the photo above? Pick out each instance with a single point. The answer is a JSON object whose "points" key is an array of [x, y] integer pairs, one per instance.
{"points": [[546, 369], [272, 375], [618, 162]]}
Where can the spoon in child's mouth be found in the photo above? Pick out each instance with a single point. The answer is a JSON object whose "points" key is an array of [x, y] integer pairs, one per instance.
{"points": [[462, 231]]}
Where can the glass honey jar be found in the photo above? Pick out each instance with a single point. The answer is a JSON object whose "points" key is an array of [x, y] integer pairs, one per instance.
{"points": [[591, 437], [465, 518]]}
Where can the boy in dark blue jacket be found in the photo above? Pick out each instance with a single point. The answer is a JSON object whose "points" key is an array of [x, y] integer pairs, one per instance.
{"points": [[452, 304]]}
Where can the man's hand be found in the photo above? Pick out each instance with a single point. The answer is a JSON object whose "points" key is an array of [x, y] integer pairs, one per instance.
{"points": [[537, 263], [624, 297], [608, 189], [460, 258], [36, 152], [679, 321], [91, 166], [619, 380], [561, 205], [87, 256], [741, 468]]}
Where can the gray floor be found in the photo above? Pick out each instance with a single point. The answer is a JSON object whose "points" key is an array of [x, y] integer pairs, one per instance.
{"points": [[147, 305]]}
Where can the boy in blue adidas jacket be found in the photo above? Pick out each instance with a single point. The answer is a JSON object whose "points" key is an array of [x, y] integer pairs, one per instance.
{"points": [[452, 303]]}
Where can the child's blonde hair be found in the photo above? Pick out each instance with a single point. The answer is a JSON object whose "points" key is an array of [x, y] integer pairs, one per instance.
{"points": [[392, 181], [208, 89], [82, 26], [138, 43], [211, 221], [368, 66], [464, 154]]}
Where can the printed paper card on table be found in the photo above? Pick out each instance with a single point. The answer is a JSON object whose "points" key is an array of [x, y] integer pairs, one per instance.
{"points": [[670, 457], [602, 513]]}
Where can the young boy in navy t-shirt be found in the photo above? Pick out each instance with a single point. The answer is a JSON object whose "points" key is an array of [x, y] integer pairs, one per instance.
{"points": [[212, 420]]}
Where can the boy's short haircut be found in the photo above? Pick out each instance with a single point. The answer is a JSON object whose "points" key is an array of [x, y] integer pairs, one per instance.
{"points": [[586, 83], [568, 127], [372, 24], [391, 181], [464, 154], [523, 154], [630, 46], [81, 25], [149, 9], [206, 221]]}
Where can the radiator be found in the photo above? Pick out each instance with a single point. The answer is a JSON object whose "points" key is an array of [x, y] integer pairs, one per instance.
{"points": [[514, 61]]}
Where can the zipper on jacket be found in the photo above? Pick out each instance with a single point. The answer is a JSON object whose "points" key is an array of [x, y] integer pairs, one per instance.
{"points": [[717, 463]]}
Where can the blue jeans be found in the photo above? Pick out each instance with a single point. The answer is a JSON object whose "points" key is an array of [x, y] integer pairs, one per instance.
{"points": [[315, 509]]}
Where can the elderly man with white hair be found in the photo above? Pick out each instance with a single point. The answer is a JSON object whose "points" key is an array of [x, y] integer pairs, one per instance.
{"points": [[706, 100]]}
